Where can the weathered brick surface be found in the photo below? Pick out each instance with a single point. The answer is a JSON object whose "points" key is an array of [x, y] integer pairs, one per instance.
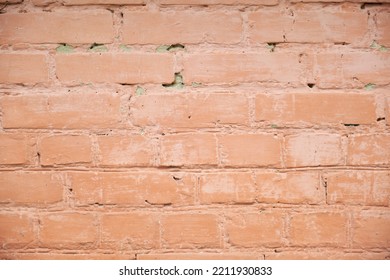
{"points": [[194, 129]]}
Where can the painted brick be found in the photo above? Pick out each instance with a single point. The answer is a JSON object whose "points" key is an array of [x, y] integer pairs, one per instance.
{"points": [[64, 111], [67, 256], [115, 68], [188, 27], [231, 187], [190, 231], [289, 187], [255, 229], [135, 230], [65, 149], [359, 187], [129, 150], [199, 256], [188, 150], [332, 108], [23, 68], [369, 149], [16, 148], [383, 26], [310, 149], [59, 27], [220, 2], [30, 188], [16, 230], [307, 27], [104, 2], [190, 110], [318, 229], [67, 230], [233, 68], [371, 229], [250, 150], [305, 254], [132, 188]]}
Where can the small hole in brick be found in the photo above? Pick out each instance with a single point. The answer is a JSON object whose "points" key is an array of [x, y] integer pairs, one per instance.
{"points": [[380, 119], [189, 117], [311, 85], [70, 189], [351, 124], [176, 178]]}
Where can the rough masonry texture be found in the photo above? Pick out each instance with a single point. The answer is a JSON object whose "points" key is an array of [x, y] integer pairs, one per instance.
{"points": [[194, 129]]}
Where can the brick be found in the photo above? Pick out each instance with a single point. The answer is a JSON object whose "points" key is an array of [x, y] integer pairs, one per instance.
{"points": [[68, 230], [67, 256], [236, 68], [10, 1], [255, 229], [289, 187], [337, 70], [388, 110], [65, 149], [16, 148], [318, 229], [16, 230], [81, 27], [250, 150], [30, 188], [67, 111], [382, 28], [369, 149], [21, 68], [229, 187], [220, 2], [313, 149], [307, 27], [115, 68], [337, 1], [132, 188], [199, 256], [188, 27], [104, 2], [190, 110], [325, 255], [129, 150], [188, 150], [371, 229], [359, 188], [190, 231], [332, 108], [138, 231]]}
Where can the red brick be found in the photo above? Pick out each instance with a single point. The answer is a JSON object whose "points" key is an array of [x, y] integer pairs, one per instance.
{"points": [[23, 68], [290, 188], [307, 27], [190, 231], [185, 27], [337, 70], [16, 230], [250, 150], [220, 2], [322, 254], [65, 111], [30, 188], [68, 230], [16, 148], [229, 187], [359, 187], [369, 149], [115, 68], [332, 108], [337, 1], [129, 150], [190, 110], [235, 68], [255, 229], [104, 2], [132, 188], [65, 149], [188, 149], [11, 1], [199, 256], [137, 231], [388, 110], [313, 149], [67, 256], [371, 229], [59, 27], [318, 229], [383, 27]]}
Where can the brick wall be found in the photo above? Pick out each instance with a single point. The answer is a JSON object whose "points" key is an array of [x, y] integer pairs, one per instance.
{"points": [[163, 129]]}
